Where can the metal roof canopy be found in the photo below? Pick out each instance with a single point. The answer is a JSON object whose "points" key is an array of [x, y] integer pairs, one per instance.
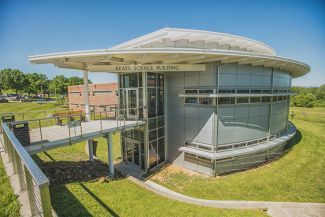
{"points": [[133, 52]]}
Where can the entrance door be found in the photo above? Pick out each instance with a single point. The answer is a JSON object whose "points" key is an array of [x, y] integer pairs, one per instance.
{"points": [[132, 151], [132, 100]]}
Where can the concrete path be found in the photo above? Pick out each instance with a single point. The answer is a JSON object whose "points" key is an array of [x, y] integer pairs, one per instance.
{"points": [[274, 209]]}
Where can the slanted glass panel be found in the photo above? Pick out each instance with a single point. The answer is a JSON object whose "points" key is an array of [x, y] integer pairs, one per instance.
{"points": [[206, 91], [152, 135], [140, 79], [191, 100], [161, 150], [161, 132], [152, 123], [241, 100], [190, 91], [160, 81], [226, 100], [140, 93], [152, 100], [121, 81], [266, 99], [161, 122], [243, 91], [151, 80], [153, 154], [130, 80], [160, 107], [205, 101], [256, 91], [227, 91], [255, 99]]}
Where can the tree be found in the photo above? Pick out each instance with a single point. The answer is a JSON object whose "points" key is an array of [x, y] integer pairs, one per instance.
{"points": [[38, 83], [14, 79], [59, 85], [320, 94], [304, 100]]}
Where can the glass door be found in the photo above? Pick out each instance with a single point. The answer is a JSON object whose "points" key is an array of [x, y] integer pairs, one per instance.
{"points": [[132, 101]]}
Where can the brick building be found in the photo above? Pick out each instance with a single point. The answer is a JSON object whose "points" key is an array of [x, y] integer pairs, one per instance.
{"points": [[99, 95]]}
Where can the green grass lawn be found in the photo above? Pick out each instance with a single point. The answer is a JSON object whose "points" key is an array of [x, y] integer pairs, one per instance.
{"points": [[31, 110], [9, 205], [297, 176], [119, 197]]}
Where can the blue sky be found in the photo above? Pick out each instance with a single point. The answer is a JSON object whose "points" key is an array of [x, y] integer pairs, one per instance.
{"points": [[296, 29]]}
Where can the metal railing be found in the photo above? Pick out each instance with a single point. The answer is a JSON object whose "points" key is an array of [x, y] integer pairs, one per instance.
{"points": [[239, 145], [30, 176], [68, 127]]}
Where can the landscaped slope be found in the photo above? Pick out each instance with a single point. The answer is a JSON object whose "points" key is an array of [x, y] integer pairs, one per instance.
{"points": [[115, 198], [297, 176]]}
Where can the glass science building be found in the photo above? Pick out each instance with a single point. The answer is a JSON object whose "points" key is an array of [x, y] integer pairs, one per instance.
{"points": [[212, 102]]}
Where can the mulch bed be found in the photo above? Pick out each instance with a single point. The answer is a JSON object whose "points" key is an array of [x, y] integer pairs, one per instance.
{"points": [[81, 171]]}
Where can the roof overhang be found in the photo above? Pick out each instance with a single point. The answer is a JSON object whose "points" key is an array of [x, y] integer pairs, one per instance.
{"points": [[102, 60]]}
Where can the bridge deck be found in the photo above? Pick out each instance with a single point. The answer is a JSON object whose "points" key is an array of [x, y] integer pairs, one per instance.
{"points": [[46, 138]]}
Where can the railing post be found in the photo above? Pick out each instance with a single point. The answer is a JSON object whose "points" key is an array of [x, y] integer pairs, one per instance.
{"points": [[9, 152], [40, 131], [45, 200], [14, 160], [110, 154], [5, 143], [101, 123], [31, 194], [20, 172]]}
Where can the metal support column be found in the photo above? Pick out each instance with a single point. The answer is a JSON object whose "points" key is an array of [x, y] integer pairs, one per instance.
{"points": [[110, 153], [86, 94], [90, 150], [87, 111]]}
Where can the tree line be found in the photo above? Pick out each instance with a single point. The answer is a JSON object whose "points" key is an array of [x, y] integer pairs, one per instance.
{"points": [[308, 96], [35, 83]]}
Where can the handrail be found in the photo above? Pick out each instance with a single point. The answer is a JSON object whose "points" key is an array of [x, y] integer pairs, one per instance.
{"points": [[28, 161], [31, 178]]}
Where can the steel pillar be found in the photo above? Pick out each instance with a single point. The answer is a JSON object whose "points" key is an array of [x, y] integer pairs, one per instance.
{"points": [[110, 153]]}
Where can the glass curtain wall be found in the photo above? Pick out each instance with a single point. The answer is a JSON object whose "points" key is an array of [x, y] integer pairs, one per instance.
{"points": [[156, 123], [131, 107]]}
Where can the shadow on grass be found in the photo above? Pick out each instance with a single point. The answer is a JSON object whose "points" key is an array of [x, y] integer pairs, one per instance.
{"points": [[64, 202], [98, 200]]}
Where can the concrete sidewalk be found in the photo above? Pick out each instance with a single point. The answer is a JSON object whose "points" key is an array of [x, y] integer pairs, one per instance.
{"points": [[274, 209]]}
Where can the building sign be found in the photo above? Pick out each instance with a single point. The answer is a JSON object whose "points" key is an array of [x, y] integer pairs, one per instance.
{"points": [[156, 68]]}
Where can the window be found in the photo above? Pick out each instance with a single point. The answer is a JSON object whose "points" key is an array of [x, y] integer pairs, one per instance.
{"points": [[242, 100], [75, 93], [190, 100], [206, 91], [205, 101], [266, 99], [255, 99], [191, 91], [101, 92], [243, 91], [151, 79], [256, 91], [226, 100], [274, 98], [266, 91], [227, 91]]}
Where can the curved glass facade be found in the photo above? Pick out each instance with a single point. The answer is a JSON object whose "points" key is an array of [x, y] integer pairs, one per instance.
{"points": [[227, 107]]}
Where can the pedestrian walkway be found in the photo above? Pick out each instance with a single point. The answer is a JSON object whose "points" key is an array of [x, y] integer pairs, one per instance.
{"points": [[274, 209]]}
